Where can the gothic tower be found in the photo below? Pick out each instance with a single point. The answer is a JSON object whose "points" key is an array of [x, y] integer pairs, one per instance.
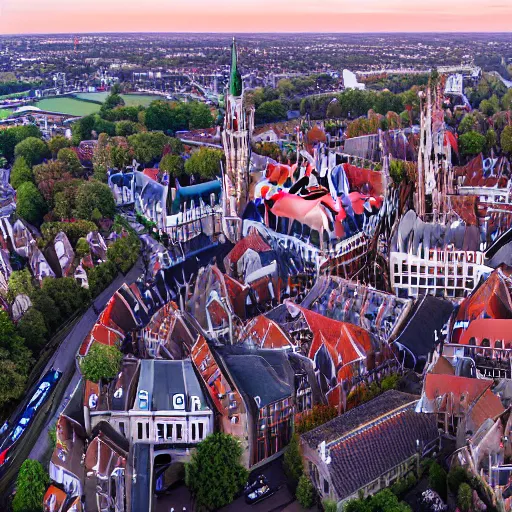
{"points": [[236, 139]]}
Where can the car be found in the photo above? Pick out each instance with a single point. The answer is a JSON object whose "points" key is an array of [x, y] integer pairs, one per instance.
{"points": [[259, 490], [143, 400]]}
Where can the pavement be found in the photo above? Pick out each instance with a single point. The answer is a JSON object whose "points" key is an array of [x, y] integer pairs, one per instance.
{"points": [[36, 437]]}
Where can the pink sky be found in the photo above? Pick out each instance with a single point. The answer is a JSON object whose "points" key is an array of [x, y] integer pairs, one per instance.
{"points": [[75, 16]]}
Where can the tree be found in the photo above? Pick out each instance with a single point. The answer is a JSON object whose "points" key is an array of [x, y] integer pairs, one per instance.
{"points": [[199, 115], [102, 362], [46, 305], [113, 100], [20, 283], [93, 194], [12, 381], [124, 252], [491, 139], [270, 112], [33, 150], [329, 506], [82, 129], [82, 247], [214, 474], [55, 144], [30, 204], [292, 463], [465, 497], [506, 140], [73, 230], [33, 329], [467, 124], [47, 175], [71, 162], [67, 294], [148, 147], [491, 106], [173, 164], [31, 485], [20, 173], [125, 128], [161, 116], [437, 479], [457, 476], [10, 137], [305, 492], [471, 143], [205, 162], [101, 276]]}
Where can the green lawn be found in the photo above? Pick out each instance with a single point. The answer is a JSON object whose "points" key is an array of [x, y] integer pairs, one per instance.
{"points": [[68, 105], [5, 112], [129, 99]]}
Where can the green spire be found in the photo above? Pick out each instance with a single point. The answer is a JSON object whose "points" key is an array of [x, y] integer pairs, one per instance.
{"points": [[235, 79]]}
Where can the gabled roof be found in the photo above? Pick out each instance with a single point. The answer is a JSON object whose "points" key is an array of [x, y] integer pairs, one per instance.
{"points": [[263, 332], [437, 385], [487, 406], [252, 241]]}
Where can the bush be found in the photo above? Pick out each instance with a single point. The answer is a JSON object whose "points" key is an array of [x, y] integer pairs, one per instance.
{"points": [[397, 171], [465, 497], [94, 195], [20, 173], [305, 492], [319, 415], [31, 485], [215, 474], [30, 204], [101, 363], [329, 506], [437, 479], [457, 476], [100, 277], [33, 150], [400, 487], [82, 247], [292, 462], [73, 230], [124, 252]]}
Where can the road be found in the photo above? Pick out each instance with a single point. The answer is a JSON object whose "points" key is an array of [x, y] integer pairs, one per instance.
{"points": [[35, 443]]}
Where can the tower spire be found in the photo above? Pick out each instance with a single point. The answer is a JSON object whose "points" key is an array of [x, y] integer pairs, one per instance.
{"points": [[235, 79]]}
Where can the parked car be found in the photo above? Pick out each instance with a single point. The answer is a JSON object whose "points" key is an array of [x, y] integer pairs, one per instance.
{"points": [[258, 490]]}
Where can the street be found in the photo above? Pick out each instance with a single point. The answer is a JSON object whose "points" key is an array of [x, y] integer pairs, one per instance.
{"points": [[35, 443]]}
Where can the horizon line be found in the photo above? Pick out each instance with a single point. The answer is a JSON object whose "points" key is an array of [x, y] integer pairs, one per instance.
{"points": [[222, 32]]}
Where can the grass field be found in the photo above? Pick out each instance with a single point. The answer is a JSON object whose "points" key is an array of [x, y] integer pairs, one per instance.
{"points": [[5, 112], [68, 105], [129, 99]]}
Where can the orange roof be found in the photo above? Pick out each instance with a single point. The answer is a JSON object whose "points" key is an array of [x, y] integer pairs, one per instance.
{"points": [[252, 241], [487, 406], [437, 385], [265, 333], [53, 499], [151, 173], [490, 328], [443, 367]]}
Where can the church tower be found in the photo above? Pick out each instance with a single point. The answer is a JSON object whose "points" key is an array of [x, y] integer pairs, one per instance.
{"points": [[236, 139]]}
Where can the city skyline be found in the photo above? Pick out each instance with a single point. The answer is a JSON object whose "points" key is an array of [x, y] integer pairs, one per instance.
{"points": [[60, 16]]}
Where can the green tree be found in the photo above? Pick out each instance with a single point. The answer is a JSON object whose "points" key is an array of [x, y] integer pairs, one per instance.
{"points": [[148, 147], [93, 194], [33, 150], [161, 116], [491, 106], [329, 506], [73, 230], [437, 479], [71, 162], [20, 283], [101, 276], [10, 137], [33, 329], [270, 112], [205, 163], [47, 175], [491, 139], [457, 476], [465, 497], [506, 140], [471, 143], [82, 129], [305, 492], [46, 305], [55, 144], [292, 463], [124, 252], [67, 294], [113, 100], [21, 172], [101, 363], [199, 115], [30, 204], [506, 101], [214, 474], [173, 164], [82, 247], [31, 485], [125, 128], [467, 124]]}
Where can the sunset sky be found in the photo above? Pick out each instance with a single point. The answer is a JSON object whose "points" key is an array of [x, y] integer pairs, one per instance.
{"points": [[76, 16]]}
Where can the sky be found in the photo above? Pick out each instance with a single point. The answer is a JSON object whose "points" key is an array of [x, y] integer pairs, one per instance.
{"points": [[235, 16]]}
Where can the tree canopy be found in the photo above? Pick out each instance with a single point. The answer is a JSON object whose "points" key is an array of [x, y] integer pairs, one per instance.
{"points": [[30, 204], [215, 474], [31, 485], [33, 150], [20, 172], [101, 363], [93, 195], [471, 143], [205, 163]]}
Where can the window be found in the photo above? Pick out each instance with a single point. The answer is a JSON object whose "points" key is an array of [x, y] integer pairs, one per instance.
{"points": [[326, 486], [147, 430], [139, 430], [168, 433], [121, 428], [193, 431], [160, 431], [201, 430], [179, 432]]}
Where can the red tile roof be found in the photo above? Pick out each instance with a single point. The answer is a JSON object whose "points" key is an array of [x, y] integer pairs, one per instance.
{"points": [[252, 241], [491, 328], [265, 333], [437, 385], [487, 406]]}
